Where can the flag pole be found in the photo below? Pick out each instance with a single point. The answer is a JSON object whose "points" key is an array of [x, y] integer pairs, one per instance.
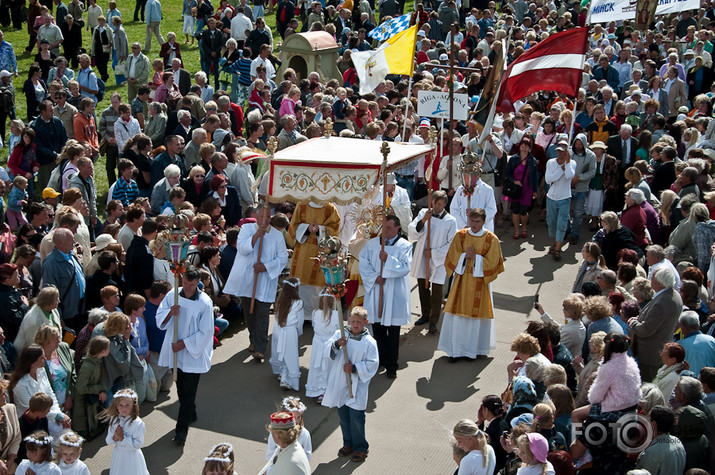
{"points": [[407, 110], [432, 136], [450, 84]]}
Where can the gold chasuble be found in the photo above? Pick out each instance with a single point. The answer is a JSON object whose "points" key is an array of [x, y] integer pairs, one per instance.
{"points": [[470, 296], [303, 266]]}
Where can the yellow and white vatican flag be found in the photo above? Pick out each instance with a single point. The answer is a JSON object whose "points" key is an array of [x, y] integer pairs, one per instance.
{"points": [[395, 56]]}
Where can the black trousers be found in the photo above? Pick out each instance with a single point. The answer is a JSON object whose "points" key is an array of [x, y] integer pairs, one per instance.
{"points": [[102, 59], [430, 300], [139, 8], [388, 344], [186, 386]]}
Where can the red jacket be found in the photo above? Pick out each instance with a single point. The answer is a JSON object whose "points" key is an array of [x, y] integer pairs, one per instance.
{"points": [[19, 155]]}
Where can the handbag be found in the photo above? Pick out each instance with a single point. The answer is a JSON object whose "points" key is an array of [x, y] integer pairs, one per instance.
{"points": [[507, 396], [120, 69], [103, 146], [512, 190], [150, 382]]}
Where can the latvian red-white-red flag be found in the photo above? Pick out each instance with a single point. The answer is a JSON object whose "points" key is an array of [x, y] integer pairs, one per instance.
{"points": [[554, 64]]}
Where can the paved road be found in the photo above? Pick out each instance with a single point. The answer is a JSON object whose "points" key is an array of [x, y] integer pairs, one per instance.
{"points": [[409, 419]]}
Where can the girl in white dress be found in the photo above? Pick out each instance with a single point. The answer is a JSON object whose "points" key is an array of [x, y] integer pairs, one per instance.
{"points": [[69, 448], [284, 342], [325, 324], [297, 408], [220, 460], [480, 459], [126, 433], [39, 455]]}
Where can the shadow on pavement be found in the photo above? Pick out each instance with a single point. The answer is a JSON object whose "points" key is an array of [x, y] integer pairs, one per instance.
{"points": [[339, 465], [164, 452], [450, 382], [514, 304]]}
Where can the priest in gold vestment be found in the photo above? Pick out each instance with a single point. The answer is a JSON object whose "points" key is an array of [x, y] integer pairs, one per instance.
{"points": [[475, 259], [310, 223]]}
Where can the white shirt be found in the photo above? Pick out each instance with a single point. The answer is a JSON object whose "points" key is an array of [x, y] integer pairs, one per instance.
{"points": [[559, 180], [196, 330], [274, 257], [396, 290], [441, 235], [239, 24], [667, 264], [270, 70], [132, 66], [482, 197]]}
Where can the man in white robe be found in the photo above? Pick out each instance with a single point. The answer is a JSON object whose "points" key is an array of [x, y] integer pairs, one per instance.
{"points": [[443, 227], [398, 201], [395, 282], [363, 362], [481, 197], [194, 347], [273, 259]]}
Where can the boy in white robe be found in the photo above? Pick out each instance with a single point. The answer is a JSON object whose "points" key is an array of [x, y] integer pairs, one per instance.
{"points": [[481, 197], [443, 227], [194, 348], [397, 200], [394, 277], [362, 365]]}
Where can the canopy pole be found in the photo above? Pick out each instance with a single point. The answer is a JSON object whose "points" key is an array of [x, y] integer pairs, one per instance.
{"points": [[272, 146], [385, 150]]}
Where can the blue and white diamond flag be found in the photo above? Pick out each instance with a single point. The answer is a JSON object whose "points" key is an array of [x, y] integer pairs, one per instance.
{"points": [[390, 28]]}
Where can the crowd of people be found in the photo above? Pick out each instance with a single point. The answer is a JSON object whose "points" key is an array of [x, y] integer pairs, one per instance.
{"points": [[88, 332]]}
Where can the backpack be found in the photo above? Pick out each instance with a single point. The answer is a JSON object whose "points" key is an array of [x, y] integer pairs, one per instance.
{"points": [[55, 181], [101, 89]]}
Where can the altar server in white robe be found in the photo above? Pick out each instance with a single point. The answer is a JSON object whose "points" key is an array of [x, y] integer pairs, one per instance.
{"points": [[194, 316], [272, 261], [362, 364], [482, 196], [395, 281], [476, 260], [397, 200], [443, 227]]}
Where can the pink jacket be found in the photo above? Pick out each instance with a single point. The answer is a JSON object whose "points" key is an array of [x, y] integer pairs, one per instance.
{"points": [[617, 385], [287, 107]]}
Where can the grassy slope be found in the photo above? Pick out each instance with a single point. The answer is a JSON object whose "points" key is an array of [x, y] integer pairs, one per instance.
{"points": [[136, 31]]}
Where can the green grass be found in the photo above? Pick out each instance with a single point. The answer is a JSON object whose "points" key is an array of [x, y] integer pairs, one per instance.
{"points": [[136, 31]]}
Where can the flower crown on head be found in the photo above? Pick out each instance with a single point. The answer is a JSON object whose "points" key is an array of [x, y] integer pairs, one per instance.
{"points": [[295, 284], [64, 441], [226, 453], [46, 440], [126, 392], [301, 407]]}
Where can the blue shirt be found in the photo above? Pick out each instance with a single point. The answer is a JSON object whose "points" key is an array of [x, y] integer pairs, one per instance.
{"points": [[7, 57], [77, 270], [87, 78], [699, 351], [154, 334], [153, 11]]}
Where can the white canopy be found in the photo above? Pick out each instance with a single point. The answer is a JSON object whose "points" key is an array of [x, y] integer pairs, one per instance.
{"points": [[334, 170]]}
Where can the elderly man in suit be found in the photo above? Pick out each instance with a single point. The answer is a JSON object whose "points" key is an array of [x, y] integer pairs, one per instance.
{"points": [[623, 147], [654, 327], [677, 95], [182, 77]]}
